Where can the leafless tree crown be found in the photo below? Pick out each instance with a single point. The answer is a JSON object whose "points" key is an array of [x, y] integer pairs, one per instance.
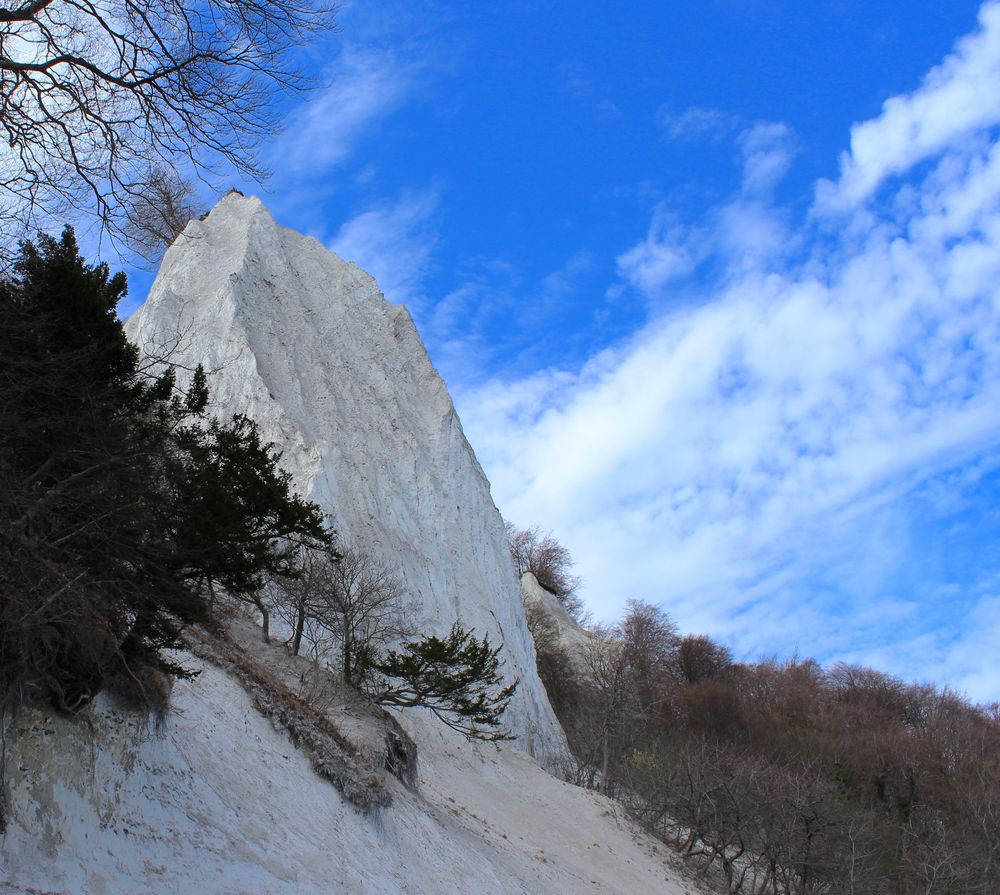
{"points": [[95, 93], [782, 778], [549, 561], [158, 215], [346, 603]]}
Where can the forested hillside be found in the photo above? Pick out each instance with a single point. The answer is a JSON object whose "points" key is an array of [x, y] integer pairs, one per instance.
{"points": [[780, 775]]}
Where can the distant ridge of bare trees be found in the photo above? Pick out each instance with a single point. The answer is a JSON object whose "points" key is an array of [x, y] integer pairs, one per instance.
{"points": [[782, 777]]}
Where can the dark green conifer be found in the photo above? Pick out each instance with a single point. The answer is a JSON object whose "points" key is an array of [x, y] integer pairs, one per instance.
{"points": [[458, 678], [117, 502]]}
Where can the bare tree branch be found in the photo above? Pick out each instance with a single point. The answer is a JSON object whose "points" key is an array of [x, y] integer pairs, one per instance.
{"points": [[96, 94]]}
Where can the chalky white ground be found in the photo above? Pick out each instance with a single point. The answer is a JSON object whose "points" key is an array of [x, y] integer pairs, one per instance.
{"points": [[221, 802]]}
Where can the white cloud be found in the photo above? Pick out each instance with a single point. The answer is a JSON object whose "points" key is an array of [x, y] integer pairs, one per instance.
{"points": [[965, 662], [748, 231], [767, 441], [767, 148], [668, 252], [696, 123], [496, 314], [366, 85], [394, 243], [957, 100]]}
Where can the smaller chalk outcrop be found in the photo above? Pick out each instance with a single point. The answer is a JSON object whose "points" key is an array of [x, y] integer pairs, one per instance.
{"points": [[572, 637]]}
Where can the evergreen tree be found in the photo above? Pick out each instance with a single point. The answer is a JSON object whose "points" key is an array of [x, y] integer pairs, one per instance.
{"points": [[117, 503], [458, 678], [238, 520]]}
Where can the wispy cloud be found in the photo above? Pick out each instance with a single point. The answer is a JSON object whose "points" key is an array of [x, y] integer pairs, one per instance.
{"points": [[394, 242], [498, 316], [696, 123], [746, 231], [956, 102], [589, 93], [756, 458], [767, 149], [366, 85], [668, 252]]}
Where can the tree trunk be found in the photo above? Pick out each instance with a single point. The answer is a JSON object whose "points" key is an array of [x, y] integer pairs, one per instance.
{"points": [[300, 623], [265, 622], [604, 762], [345, 659]]}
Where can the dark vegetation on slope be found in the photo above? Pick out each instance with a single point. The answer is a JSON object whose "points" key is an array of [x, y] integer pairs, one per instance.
{"points": [[121, 505], [783, 777]]}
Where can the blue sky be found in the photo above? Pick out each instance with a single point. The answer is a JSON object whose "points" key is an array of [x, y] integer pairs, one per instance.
{"points": [[714, 287]]}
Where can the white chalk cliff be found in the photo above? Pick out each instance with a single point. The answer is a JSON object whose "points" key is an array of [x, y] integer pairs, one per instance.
{"points": [[337, 377], [573, 638], [220, 800]]}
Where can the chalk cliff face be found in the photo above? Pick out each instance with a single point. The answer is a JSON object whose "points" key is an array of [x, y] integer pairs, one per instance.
{"points": [[304, 343], [571, 636]]}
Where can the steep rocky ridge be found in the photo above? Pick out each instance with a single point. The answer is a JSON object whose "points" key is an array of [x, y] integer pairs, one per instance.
{"points": [[220, 800], [304, 343]]}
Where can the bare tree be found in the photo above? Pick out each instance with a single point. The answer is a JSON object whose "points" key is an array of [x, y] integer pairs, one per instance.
{"points": [[629, 690], [365, 610], [157, 215], [346, 597], [780, 778], [300, 599], [649, 636], [610, 708], [700, 658], [549, 561], [94, 94]]}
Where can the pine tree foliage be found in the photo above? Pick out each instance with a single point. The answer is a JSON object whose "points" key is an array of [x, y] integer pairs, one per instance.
{"points": [[457, 677], [117, 502], [239, 520], [79, 457]]}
